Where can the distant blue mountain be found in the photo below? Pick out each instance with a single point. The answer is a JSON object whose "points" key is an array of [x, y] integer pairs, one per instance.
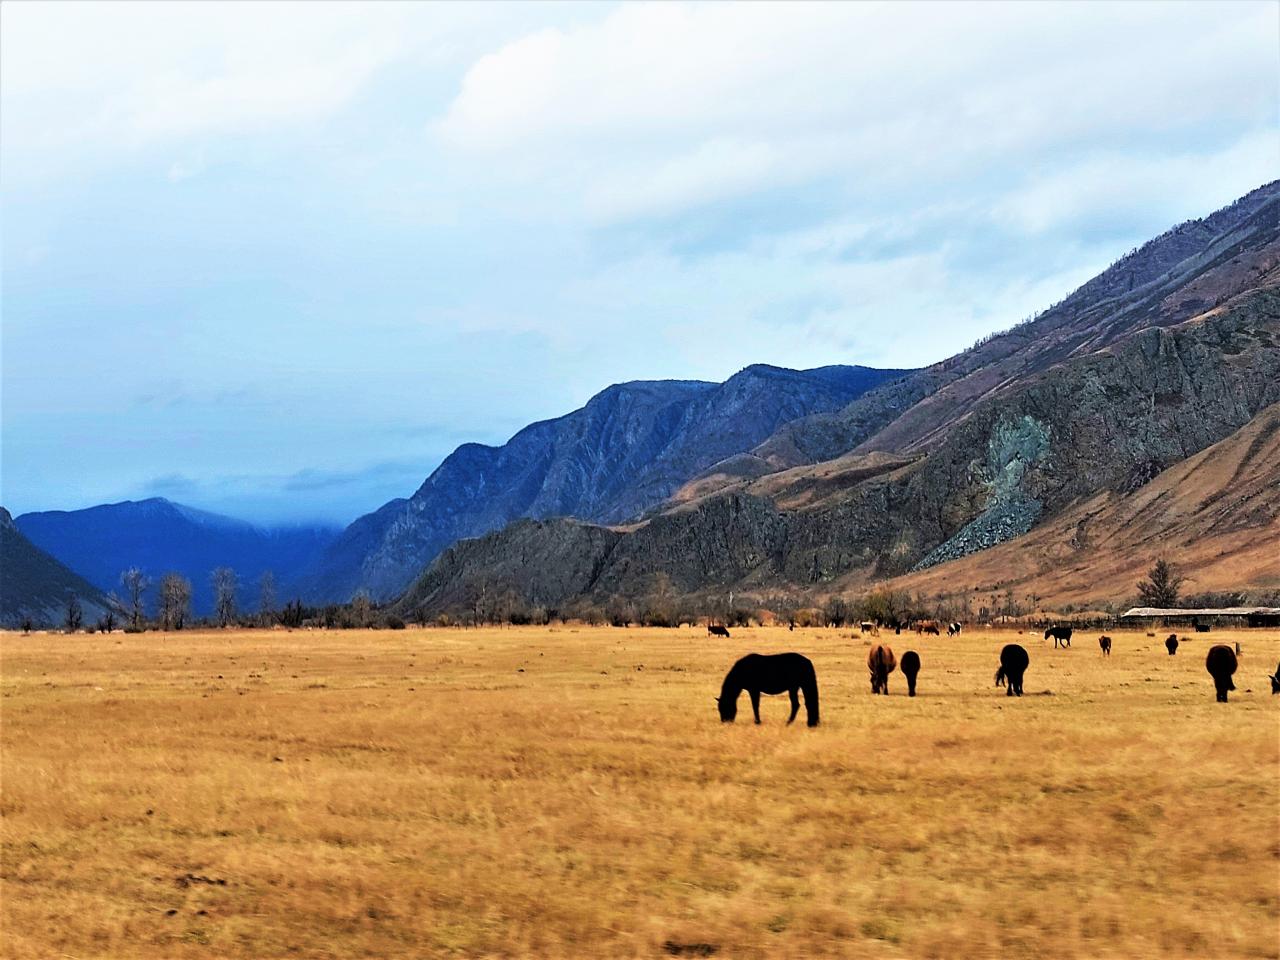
{"points": [[160, 536]]}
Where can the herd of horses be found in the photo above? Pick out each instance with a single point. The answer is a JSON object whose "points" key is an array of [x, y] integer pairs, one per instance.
{"points": [[793, 673]]}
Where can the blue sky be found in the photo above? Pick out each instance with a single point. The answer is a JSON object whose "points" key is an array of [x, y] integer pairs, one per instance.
{"points": [[278, 260]]}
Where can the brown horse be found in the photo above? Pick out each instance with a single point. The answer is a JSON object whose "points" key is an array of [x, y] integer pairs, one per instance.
{"points": [[717, 630], [1105, 644], [881, 662]]}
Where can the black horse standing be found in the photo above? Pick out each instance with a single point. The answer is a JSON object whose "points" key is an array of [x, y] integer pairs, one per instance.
{"points": [[1013, 664], [910, 666], [1221, 664], [1171, 644], [772, 674], [1061, 635]]}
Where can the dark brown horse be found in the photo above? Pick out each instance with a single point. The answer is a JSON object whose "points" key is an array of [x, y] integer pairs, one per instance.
{"points": [[1013, 664], [1221, 664], [1105, 644], [910, 667], [1061, 635], [1171, 644], [881, 662], [717, 630], [773, 674]]}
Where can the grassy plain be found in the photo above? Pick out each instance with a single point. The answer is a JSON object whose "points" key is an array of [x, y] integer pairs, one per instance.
{"points": [[570, 792]]}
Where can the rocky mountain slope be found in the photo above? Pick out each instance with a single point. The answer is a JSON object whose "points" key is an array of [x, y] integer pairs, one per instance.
{"points": [[35, 585], [159, 536], [629, 448], [1168, 352]]}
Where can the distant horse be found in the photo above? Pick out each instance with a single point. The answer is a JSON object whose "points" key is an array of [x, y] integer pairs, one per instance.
{"points": [[717, 630], [1061, 636], [1105, 644], [910, 667], [1171, 644], [953, 628], [1013, 664], [866, 626], [1221, 664], [1202, 628], [1275, 681], [881, 662], [771, 674]]}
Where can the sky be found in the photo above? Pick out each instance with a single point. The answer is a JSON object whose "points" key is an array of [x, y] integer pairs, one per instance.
{"points": [[278, 260]]}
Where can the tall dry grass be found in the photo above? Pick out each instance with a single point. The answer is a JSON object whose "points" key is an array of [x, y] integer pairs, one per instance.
{"points": [[562, 792]]}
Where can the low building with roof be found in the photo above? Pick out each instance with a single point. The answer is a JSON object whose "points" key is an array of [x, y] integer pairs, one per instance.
{"points": [[1205, 616]]}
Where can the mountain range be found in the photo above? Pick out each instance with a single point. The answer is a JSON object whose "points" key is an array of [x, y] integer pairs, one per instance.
{"points": [[1136, 418], [159, 536], [1170, 351]]}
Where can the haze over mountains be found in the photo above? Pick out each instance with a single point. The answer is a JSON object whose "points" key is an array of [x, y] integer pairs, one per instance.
{"points": [[1055, 446]]}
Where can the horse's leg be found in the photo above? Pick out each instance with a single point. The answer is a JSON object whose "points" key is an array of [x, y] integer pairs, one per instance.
{"points": [[795, 704], [755, 703]]}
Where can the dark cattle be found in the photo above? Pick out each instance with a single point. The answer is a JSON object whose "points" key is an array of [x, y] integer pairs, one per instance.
{"points": [[1221, 664], [1202, 628], [1275, 681], [1061, 636], [1013, 664], [953, 629], [928, 626], [881, 662], [773, 674], [910, 667], [717, 630], [1105, 644], [1171, 644], [866, 626]]}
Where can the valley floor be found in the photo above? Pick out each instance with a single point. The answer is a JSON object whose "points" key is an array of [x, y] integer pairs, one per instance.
{"points": [[570, 792]]}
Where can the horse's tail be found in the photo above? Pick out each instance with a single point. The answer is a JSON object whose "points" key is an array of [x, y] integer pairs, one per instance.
{"points": [[1000, 676], [810, 688]]}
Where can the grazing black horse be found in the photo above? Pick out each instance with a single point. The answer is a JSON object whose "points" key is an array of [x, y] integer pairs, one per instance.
{"points": [[910, 665], [1105, 644], [1202, 628], [1221, 664], [1275, 681], [1013, 664], [772, 674], [717, 630], [1061, 635], [1171, 644]]}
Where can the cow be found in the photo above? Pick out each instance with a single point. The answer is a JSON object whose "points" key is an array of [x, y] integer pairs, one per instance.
{"points": [[717, 630], [1171, 644], [881, 662], [1202, 628], [928, 626], [1275, 681], [1105, 644], [1221, 664], [953, 628], [910, 667], [1013, 664], [1061, 635], [866, 626]]}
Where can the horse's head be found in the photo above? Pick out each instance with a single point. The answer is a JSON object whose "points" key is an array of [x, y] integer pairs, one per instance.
{"points": [[728, 709]]}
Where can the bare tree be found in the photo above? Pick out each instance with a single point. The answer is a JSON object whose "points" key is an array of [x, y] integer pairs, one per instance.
{"points": [[267, 597], [362, 608], [175, 601], [74, 615], [135, 584], [225, 584]]}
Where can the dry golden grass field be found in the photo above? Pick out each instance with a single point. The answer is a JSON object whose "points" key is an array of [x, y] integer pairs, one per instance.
{"points": [[570, 792]]}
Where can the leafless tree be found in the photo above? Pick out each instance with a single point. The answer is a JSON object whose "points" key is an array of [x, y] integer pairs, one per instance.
{"points": [[225, 584], [267, 597], [135, 584], [362, 608], [75, 614], [175, 601]]}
